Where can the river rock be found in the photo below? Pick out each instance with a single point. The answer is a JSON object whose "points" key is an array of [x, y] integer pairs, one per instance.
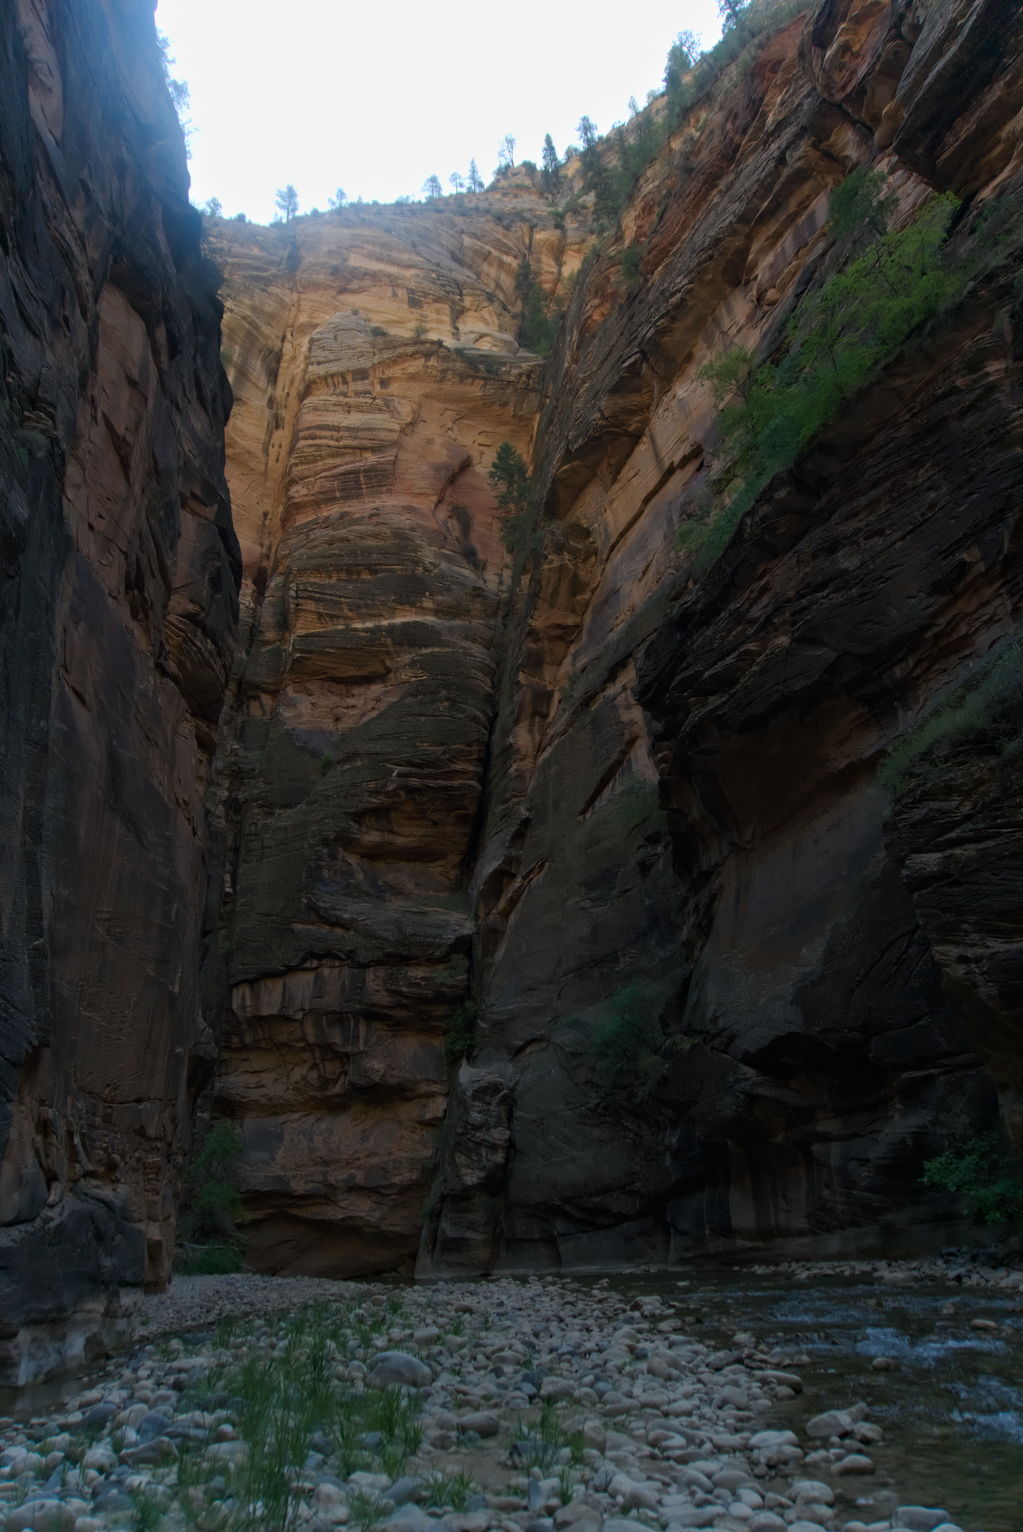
{"points": [[639, 1497], [99, 1415], [767, 1441], [919, 1518], [835, 1422], [407, 1518], [856, 1462], [483, 1422], [405, 1490], [153, 1423], [102, 1458], [160, 1450], [812, 1489], [41, 1516], [328, 1497], [398, 1367]]}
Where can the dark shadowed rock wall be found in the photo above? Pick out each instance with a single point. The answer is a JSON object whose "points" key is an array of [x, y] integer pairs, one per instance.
{"points": [[728, 998], [118, 579]]}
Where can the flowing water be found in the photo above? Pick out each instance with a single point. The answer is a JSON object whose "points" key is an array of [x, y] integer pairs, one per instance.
{"points": [[952, 1413]]}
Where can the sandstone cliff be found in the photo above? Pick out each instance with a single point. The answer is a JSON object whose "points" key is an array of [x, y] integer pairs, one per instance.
{"points": [[375, 368], [624, 815], [563, 909], [117, 609], [684, 853]]}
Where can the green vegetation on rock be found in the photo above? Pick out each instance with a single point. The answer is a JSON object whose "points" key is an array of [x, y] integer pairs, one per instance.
{"points": [[512, 486], [447, 1491], [287, 1397], [988, 703], [627, 1043], [611, 166], [541, 1442], [211, 1205], [539, 317], [461, 1034], [889, 284], [983, 1173]]}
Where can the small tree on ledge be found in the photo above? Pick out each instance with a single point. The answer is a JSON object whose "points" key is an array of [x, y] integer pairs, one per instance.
{"points": [[286, 201]]}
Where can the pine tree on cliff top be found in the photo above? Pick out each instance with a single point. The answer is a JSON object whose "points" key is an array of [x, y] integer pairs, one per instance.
{"points": [[550, 175], [286, 201]]}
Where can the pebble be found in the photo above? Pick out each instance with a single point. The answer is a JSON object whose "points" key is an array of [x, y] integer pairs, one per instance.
{"points": [[651, 1426]]}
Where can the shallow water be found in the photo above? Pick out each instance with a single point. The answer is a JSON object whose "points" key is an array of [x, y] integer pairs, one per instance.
{"points": [[953, 1412]]}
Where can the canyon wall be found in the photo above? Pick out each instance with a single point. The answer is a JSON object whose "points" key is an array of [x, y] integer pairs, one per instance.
{"points": [[719, 1009], [375, 368], [118, 602], [537, 899], [610, 820]]}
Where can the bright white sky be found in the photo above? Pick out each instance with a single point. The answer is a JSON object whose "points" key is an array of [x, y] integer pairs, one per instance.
{"points": [[324, 93]]}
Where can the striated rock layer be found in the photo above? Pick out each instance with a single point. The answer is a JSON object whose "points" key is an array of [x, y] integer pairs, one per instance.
{"points": [[375, 369], [715, 1010], [118, 579], [614, 825]]}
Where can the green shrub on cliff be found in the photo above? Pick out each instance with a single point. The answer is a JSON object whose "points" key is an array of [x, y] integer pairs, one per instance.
{"points": [[513, 489], [627, 1043], [509, 479], [986, 1177], [211, 1205], [461, 1034], [888, 286], [539, 317], [989, 702]]}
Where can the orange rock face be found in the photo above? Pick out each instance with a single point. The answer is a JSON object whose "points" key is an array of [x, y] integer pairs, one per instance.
{"points": [[375, 369], [626, 811]]}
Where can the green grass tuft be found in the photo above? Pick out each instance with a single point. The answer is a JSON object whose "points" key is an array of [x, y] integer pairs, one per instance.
{"points": [[974, 708]]}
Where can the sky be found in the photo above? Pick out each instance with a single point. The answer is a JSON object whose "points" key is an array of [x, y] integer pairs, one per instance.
{"points": [[323, 93]]}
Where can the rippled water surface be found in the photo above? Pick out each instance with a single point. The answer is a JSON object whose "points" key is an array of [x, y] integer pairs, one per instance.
{"points": [[953, 1412]]}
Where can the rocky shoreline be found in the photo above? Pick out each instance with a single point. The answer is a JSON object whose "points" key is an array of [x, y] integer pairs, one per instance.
{"points": [[540, 1404]]}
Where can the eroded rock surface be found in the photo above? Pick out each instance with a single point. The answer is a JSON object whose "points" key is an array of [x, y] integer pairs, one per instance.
{"points": [[621, 819], [722, 1015], [118, 578], [376, 370]]}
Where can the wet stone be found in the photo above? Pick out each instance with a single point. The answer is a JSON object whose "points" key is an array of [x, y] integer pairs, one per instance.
{"points": [[920, 1518]]}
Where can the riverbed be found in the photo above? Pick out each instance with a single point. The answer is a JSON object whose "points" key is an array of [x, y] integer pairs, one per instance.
{"points": [[786, 1399]]}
